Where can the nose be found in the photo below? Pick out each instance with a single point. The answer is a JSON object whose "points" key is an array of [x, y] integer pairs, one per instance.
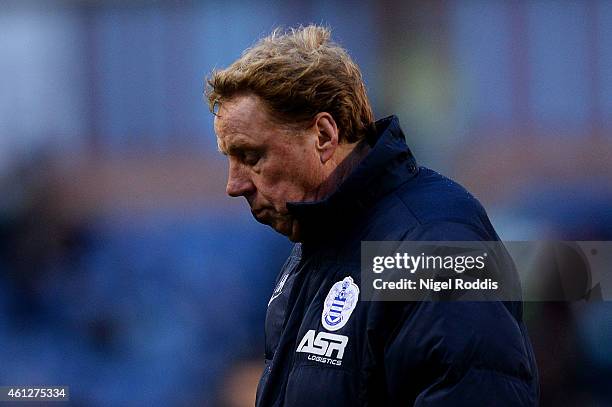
{"points": [[239, 182]]}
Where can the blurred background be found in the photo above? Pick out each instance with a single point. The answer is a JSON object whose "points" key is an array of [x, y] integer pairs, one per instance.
{"points": [[126, 273]]}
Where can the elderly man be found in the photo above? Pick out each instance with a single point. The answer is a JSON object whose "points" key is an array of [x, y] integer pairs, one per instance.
{"points": [[293, 118]]}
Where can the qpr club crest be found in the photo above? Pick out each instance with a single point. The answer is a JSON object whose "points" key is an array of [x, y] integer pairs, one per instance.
{"points": [[339, 304]]}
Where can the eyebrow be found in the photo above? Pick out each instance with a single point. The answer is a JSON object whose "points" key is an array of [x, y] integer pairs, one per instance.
{"points": [[237, 147]]}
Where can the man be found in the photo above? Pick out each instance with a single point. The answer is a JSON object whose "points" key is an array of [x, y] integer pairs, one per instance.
{"points": [[294, 120]]}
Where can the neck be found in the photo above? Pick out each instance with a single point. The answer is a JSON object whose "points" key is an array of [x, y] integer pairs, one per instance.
{"points": [[348, 158]]}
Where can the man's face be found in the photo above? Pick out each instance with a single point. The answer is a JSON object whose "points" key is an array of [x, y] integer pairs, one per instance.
{"points": [[269, 164]]}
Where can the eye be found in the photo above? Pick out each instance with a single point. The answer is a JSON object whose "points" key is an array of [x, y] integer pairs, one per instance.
{"points": [[251, 158]]}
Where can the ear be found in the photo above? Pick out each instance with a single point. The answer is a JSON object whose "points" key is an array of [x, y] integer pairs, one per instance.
{"points": [[327, 136]]}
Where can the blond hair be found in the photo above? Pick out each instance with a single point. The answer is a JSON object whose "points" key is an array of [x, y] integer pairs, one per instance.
{"points": [[299, 73]]}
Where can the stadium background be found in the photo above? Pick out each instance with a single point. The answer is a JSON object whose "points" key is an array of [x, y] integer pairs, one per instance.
{"points": [[127, 274]]}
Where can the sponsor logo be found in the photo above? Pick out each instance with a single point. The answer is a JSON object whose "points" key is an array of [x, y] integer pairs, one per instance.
{"points": [[322, 347], [339, 304]]}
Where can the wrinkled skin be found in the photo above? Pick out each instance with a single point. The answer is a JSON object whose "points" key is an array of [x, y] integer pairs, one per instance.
{"points": [[271, 163]]}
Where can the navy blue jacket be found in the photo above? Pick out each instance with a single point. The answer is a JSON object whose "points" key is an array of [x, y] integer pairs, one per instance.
{"points": [[390, 353]]}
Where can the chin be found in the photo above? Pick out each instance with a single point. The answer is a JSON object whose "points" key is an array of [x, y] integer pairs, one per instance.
{"points": [[282, 229], [287, 228]]}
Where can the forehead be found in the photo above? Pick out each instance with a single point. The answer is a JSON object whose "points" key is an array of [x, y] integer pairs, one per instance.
{"points": [[240, 111], [243, 120]]}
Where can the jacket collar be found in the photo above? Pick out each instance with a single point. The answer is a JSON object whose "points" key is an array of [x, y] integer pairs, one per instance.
{"points": [[389, 164]]}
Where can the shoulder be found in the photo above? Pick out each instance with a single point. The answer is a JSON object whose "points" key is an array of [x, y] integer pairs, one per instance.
{"points": [[433, 197], [432, 207]]}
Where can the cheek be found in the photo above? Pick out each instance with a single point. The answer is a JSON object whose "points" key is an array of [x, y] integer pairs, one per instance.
{"points": [[287, 179], [280, 186]]}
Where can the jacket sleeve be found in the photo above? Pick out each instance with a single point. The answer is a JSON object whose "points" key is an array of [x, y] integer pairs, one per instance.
{"points": [[459, 353]]}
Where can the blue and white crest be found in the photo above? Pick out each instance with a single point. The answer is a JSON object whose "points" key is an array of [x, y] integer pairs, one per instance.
{"points": [[339, 304]]}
